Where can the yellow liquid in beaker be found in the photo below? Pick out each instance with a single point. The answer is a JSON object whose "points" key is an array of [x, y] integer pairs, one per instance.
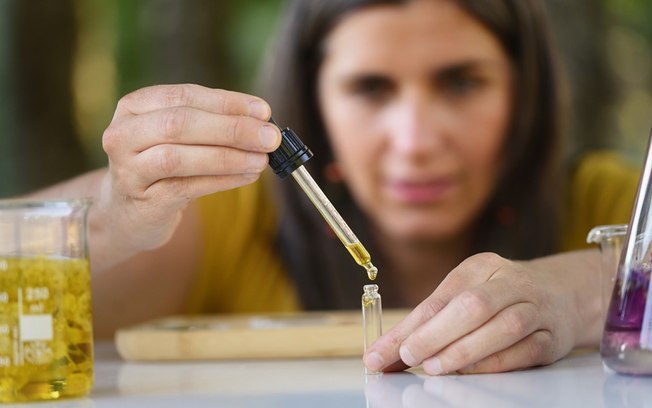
{"points": [[46, 343]]}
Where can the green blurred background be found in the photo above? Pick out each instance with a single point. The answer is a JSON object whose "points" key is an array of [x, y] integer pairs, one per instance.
{"points": [[65, 63]]}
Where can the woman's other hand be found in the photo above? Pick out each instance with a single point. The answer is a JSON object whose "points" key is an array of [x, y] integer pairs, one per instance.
{"points": [[491, 314]]}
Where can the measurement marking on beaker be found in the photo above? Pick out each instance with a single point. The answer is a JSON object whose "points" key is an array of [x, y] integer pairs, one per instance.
{"points": [[36, 308], [37, 293], [15, 337], [19, 351]]}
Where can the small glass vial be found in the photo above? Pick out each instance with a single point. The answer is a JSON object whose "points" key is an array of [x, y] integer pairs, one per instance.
{"points": [[372, 313], [627, 340]]}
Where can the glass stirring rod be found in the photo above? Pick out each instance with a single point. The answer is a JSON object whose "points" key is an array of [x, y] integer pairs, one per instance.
{"points": [[289, 159]]}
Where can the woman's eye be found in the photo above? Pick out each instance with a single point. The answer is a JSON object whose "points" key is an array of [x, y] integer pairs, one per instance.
{"points": [[461, 85], [372, 88]]}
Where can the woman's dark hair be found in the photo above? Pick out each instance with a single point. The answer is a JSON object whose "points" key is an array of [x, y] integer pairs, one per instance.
{"points": [[521, 220]]}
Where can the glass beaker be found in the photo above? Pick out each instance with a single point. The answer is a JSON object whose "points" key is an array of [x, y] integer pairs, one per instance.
{"points": [[46, 340], [627, 339]]}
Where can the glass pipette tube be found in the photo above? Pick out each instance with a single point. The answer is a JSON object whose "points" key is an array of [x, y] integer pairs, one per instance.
{"points": [[289, 159], [333, 218], [372, 312]]}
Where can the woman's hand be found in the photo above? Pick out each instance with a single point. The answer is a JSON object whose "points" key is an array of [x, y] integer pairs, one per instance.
{"points": [[170, 144], [491, 314]]}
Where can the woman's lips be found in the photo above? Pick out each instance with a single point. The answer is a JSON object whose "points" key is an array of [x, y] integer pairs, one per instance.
{"points": [[411, 192]]}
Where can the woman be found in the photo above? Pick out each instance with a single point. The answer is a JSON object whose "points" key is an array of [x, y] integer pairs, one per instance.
{"points": [[434, 128], [386, 95]]}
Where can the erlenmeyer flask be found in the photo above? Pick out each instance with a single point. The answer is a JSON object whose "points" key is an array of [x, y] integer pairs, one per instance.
{"points": [[627, 339]]}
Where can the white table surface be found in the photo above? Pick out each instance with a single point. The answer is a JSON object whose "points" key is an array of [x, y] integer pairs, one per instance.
{"points": [[578, 380]]}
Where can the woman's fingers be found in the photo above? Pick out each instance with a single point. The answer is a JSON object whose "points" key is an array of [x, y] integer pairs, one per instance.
{"points": [[189, 126], [171, 160], [501, 332], [536, 349], [471, 310], [210, 100], [186, 188]]}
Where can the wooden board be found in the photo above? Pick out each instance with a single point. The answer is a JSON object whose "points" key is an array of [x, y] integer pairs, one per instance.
{"points": [[247, 336]]}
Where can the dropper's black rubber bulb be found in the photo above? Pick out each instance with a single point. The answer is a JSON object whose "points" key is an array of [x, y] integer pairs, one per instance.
{"points": [[290, 155]]}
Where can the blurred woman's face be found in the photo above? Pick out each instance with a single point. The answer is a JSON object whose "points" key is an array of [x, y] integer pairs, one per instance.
{"points": [[416, 100]]}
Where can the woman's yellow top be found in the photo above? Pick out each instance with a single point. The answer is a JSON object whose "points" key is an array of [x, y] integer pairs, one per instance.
{"points": [[242, 271], [602, 192]]}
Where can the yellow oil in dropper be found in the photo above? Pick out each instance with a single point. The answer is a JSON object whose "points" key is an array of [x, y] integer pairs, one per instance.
{"points": [[289, 159], [362, 257]]}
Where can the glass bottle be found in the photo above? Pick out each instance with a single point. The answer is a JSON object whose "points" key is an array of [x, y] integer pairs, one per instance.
{"points": [[627, 339], [372, 311]]}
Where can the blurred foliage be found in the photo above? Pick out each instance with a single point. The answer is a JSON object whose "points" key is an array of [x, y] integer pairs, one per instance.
{"points": [[7, 177], [629, 52], [635, 14], [38, 135], [585, 65], [64, 64]]}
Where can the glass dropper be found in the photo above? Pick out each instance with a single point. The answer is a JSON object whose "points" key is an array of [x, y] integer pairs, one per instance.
{"points": [[289, 159]]}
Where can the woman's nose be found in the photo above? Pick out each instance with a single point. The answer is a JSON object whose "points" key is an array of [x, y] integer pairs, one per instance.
{"points": [[413, 127]]}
